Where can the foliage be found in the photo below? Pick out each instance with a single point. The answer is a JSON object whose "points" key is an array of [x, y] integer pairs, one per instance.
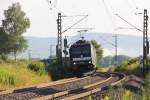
{"points": [[14, 25], [37, 66], [131, 67], [3, 43], [99, 51], [3, 57], [15, 75], [7, 78], [146, 94], [102, 69], [89, 97], [58, 72], [121, 94], [106, 98]]}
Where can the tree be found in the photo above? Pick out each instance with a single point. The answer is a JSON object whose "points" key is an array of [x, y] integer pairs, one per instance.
{"points": [[15, 24], [3, 44], [99, 51]]}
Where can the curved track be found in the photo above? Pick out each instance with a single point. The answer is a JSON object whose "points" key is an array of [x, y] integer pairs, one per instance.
{"points": [[115, 79], [40, 91]]}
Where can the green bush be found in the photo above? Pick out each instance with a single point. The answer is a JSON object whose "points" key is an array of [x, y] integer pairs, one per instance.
{"points": [[131, 67], [37, 66], [3, 57], [58, 72]]}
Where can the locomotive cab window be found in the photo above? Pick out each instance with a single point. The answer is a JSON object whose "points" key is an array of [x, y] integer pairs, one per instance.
{"points": [[81, 50]]}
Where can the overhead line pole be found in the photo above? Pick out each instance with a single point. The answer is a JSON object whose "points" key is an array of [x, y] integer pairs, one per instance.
{"points": [[59, 40], [145, 43], [60, 32]]}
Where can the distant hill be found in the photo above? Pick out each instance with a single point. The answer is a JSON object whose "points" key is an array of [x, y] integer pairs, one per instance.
{"points": [[129, 45], [39, 47], [110, 60]]}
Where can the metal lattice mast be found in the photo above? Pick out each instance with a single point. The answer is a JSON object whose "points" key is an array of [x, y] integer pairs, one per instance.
{"points": [[59, 40], [145, 43]]}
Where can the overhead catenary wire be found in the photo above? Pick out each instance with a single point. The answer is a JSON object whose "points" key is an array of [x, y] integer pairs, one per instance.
{"points": [[54, 6], [109, 14], [128, 23], [107, 41], [134, 3], [75, 23], [129, 4], [116, 14]]}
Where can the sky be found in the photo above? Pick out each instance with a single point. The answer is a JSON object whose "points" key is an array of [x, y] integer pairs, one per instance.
{"points": [[101, 15]]}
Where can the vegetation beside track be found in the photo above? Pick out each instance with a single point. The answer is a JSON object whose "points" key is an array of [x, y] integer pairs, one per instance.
{"points": [[124, 94], [58, 72], [129, 67], [20, 73]]}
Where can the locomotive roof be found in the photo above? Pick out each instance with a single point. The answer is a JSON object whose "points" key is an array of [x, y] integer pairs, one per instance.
{"points": [[79, 42]]}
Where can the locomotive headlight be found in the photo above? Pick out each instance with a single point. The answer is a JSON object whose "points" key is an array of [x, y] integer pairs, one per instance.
{"points": [[89, 62], [74, 63]]}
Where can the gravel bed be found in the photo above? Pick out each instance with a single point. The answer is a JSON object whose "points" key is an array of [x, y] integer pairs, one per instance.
{"points": [[105, 92], [114, 79], [26, 95]]}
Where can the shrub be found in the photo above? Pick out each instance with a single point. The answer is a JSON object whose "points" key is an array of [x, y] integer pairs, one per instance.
{"points": [[3, 57], [58, 72], [130, 67], [37, 66]]}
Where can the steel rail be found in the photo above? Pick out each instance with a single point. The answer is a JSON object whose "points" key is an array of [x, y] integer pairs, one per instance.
{"points": [[63, 93], [95, 90], [27, 88]]}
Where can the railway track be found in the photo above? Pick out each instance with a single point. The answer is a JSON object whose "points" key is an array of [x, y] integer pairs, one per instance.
{"points": [[56, 88], [85, 91]]}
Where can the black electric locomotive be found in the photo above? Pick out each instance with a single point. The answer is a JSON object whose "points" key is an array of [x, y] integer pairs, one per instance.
{"points": [[82, 57]]}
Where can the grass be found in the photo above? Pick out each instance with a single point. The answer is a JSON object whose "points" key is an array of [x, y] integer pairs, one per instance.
{"points": [[17, 74], [102, 69], [122, 94], [129, 67], [106, 69], [146, 93]]}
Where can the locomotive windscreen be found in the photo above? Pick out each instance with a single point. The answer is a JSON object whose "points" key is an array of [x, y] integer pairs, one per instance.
{"points": [[77, 51]]}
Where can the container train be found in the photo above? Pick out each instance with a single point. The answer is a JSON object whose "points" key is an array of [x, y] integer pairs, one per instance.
{"points": [[82, 57]]}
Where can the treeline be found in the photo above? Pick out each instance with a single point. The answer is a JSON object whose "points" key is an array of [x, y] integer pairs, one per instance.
{"points": [[14, 24]]}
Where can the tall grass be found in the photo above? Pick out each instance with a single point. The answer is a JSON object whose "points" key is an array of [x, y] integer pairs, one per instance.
{"points": [[146, 93], [7, 78], [121, 94], [15, 75]]}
